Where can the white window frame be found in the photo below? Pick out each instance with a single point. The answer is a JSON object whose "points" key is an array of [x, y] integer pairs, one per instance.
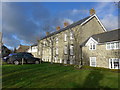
{"points": [[44, 43], [71, 50], [56, 39], [112, 61], [56, 50], [65, 37], [91, 61], [91, 46], [113, 45], [71, 35], [65, 50]]}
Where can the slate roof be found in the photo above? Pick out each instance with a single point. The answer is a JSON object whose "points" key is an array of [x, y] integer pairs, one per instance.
{"points": [[113, 35], [34, 45], [68, 27]]}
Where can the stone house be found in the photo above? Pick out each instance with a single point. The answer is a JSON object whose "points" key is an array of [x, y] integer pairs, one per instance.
{"points": [[22, 48], [102, 50], [33, 49], [63, 45], [5, 51]]}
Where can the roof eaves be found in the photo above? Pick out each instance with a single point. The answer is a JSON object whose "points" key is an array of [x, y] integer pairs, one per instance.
{"points": [[66, 28]]}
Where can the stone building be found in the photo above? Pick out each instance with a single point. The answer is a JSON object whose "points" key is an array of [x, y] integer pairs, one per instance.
{"points": [[102, 50], [5, 51], [33, 49], [63, 45], [22, 48]]}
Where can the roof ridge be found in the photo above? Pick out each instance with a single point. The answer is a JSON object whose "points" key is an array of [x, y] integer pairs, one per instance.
{"points": [[71, 25]]}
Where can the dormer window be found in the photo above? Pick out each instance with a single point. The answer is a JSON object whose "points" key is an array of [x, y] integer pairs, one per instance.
{"points": [[92, 46], [91, 43]]}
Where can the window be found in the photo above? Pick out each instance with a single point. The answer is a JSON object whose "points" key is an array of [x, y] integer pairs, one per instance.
{"points": [[65, 50], [56, 50], [71, 35], [71, 49], [44, 43], [113, 45], [56, 40], [114, 63], [93, 61], [65, 37], [92, 46], [49, 51]]}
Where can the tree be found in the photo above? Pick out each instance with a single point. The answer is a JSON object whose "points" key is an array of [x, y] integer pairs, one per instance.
{"points": [[49, 44], [77, 39]]}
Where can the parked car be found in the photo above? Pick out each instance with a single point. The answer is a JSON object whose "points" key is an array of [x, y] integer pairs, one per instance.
{"points": [[7, 57], [23, 58], [20, 53]]}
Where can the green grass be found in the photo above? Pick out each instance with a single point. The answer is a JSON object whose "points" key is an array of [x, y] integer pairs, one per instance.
{"points": [[56, 76]]}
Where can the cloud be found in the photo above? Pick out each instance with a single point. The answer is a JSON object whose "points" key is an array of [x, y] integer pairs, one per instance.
{"points": [[21, 21], [110, 21], [108, 16], [25, 23], [78, 11]]}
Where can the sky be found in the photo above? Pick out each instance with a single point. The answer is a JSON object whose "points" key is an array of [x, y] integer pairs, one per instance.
{"points": [[26, 22]]}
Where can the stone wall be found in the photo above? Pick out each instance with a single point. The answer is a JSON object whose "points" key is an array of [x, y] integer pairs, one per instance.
{"points": [[81, 33], [102, 55]]}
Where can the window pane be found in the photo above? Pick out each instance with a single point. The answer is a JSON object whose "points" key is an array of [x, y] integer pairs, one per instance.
{"points": [[112, 45], [65, 37], [65, 50], [71, 50], [108, 45], [117, 45]]}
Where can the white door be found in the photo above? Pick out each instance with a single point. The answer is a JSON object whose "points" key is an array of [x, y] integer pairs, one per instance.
{"points": [[93, 61]]}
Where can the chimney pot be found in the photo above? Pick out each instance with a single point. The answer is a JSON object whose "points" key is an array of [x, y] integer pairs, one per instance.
{"points": [[47, 33], [66, 24], [58, 28], [92, 11]]}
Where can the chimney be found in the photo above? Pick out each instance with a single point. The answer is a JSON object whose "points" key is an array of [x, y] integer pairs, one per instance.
{"points": [[66, 24], [92, 11], [58, 28], [47, 33]]}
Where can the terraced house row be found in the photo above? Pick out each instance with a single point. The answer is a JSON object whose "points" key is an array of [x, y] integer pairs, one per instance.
{"points": [[85, 42]]}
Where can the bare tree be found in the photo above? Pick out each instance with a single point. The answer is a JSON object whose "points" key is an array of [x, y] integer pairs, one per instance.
{"points": [[117, 4], [49, 43], [78, 53]]}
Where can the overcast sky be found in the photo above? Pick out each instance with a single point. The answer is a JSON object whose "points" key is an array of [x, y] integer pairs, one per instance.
{"points": [[25, 22]]}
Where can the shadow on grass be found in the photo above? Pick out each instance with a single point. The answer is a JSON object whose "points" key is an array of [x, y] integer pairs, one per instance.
{"points": [[93, 79]]}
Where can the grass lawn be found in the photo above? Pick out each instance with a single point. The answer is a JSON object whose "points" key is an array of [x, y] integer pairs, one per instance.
{"points": [[56, 76]]}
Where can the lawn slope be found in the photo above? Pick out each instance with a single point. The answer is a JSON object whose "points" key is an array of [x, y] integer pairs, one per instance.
{"points": [[56, 76]]}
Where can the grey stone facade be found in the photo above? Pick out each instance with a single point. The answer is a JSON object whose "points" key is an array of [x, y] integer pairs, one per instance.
{"points": [[102, 55], [52, 47], [106, 51]]}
